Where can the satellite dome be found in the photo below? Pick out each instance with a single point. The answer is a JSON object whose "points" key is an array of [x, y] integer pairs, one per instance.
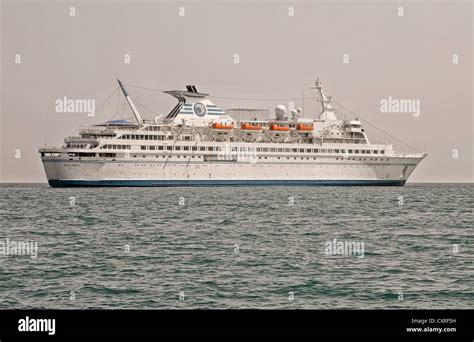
{"points": [[280, 110]]}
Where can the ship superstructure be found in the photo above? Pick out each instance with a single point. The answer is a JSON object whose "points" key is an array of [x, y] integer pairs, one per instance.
{"points": [[198, 144]]}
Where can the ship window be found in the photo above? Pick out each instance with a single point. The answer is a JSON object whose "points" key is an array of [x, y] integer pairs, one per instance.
{"points": [[337, 150], [368, 152], [301, 149], [143, 147], [169, 148], [186, 148], [152, 147], [202, 148], [363, 151], [194, 148], [295, 150], [316, 151], [308, 150], [134, 156], [350, 151], [144, 156], [160, 148], [272, 150], [356, 151], [343, 151], [382, 152], [177, 148]]}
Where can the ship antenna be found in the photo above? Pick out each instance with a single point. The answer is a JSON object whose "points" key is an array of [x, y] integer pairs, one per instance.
{"points": [[132, 106], [322, 98]]}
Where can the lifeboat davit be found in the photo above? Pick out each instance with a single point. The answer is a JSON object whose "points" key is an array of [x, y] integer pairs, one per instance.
{"points": [[305, 128], [251, 127], [219, 125], [284, 128]]}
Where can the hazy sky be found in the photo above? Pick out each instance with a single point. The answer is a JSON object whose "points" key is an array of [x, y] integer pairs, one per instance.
{"points": [[403, 57]]}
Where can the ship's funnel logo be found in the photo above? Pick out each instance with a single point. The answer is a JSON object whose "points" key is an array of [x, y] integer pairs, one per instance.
{"points": [[199, 109]]}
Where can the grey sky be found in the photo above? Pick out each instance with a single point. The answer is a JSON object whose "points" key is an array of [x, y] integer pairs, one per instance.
{"points": [[409, 57]]}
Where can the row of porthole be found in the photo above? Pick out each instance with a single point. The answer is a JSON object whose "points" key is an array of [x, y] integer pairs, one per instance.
{"points": [[295, 158], [255, 165]]}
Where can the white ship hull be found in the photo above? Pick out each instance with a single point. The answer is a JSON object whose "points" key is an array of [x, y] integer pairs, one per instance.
{"points": [[390, 171]]}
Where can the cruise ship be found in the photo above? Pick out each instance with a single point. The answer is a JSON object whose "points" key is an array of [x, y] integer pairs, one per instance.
{"points": [[198, 144]]}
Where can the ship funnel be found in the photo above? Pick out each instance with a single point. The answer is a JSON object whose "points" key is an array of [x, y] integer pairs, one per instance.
{"points": [[191, 89]]}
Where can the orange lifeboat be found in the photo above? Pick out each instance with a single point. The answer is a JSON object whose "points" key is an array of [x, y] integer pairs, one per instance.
{"points": [[274, 127], [251, 127], [218, 125], [303, 127]]}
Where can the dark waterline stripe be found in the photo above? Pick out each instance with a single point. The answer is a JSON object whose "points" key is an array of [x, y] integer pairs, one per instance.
{"points": [[218, 182]]}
